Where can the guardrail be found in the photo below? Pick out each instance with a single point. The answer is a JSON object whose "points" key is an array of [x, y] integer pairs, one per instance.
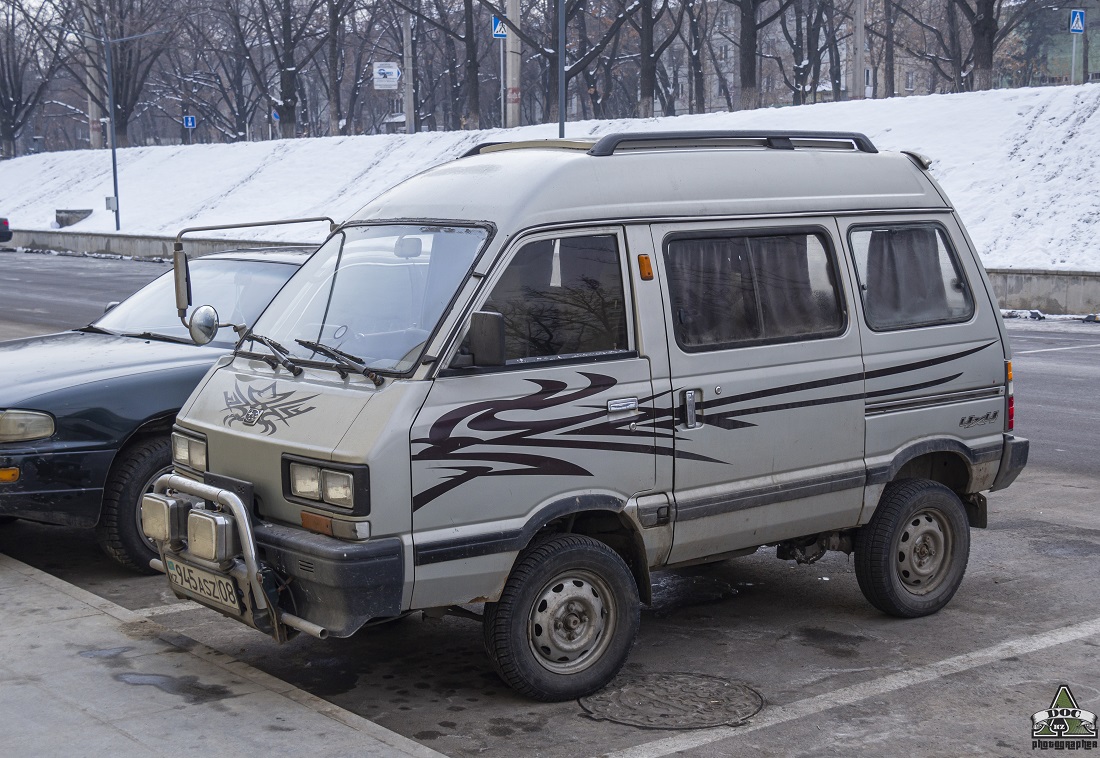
{"points": [[132, 246]]}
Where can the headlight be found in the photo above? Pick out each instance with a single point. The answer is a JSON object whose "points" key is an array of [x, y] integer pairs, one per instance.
{"points": [[305, 481], [327, 486], [189, 452], [337, 488], [23, 426]]}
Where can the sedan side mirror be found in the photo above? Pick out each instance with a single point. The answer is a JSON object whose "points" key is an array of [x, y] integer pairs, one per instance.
{"points": [[110, 306], [487, 338], [203, 324]]}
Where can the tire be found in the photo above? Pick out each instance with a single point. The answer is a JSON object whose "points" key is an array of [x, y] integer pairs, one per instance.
{"points": [[566, 619], [911, 556], [119, 529]]}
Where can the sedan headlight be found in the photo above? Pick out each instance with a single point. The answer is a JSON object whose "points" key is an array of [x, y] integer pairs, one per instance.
{"points": [[189, 452], [23, 426]]}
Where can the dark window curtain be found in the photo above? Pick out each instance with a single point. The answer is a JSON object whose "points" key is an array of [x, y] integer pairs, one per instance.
{"points": [[783, 285], [710, 281], [904, 280]]}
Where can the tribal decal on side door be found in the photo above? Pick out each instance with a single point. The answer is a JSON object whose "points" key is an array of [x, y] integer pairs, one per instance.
{"points": [[539, 430]]}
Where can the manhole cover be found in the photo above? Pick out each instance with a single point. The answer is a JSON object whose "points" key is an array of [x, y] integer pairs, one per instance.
{"points": [[674, 701]]}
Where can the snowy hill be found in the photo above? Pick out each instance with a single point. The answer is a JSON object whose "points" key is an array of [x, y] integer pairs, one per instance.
{"points": [[1022, 167]]}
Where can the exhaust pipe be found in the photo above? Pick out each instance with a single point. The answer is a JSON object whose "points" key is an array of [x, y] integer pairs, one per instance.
{"points": [[302, 625]]}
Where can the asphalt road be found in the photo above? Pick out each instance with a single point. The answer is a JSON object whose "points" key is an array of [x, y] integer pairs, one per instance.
{"points": [[837, 677], [50, 293]]}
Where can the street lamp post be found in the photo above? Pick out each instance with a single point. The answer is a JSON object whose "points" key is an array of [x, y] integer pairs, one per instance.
{"points": [[107, 42], [561, 68]]}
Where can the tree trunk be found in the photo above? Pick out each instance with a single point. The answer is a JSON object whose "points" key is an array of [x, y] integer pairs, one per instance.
{"points": [[473, 87], [695, 60], [337, 124], [750, 92], [889, 73], [984, 30], [647, 64]]}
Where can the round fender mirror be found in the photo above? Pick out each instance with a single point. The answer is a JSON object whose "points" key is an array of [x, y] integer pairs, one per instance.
{"points": [[203, 324]]}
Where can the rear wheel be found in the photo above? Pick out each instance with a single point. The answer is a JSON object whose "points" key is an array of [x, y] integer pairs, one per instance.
{"points": [[911, 556], [566, 619], [119, 530]]}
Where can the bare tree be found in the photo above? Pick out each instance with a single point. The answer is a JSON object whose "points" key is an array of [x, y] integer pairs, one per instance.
{"points": [[30, 55], [140, 31]]}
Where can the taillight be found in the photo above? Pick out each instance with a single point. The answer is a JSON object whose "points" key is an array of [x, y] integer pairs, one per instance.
{"points": [[1010, 421]]}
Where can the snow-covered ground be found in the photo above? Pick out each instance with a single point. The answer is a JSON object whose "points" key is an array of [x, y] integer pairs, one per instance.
{"points": [[1022, 167]]}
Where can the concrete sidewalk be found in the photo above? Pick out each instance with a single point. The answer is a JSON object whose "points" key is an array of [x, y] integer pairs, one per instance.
{"points": [[80, 675]]}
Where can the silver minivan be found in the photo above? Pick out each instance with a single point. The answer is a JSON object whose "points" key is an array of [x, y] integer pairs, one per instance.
{"points": [[530, 377]]}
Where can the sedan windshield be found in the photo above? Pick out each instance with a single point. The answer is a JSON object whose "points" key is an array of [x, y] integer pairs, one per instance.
{"points": [[371, 295], [238, 290]]}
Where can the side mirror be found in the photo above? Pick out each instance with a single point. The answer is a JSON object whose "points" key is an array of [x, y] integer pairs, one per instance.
{"points": [[487, 338], [110, 306], [181, 275], [203, 324]]}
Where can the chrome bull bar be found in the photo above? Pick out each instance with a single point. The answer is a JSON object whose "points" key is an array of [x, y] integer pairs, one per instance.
{"points": [[230, 500]]}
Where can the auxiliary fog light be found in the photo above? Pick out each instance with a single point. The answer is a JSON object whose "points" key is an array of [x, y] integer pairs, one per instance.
{"points": [[164, 518], [211, 536]]}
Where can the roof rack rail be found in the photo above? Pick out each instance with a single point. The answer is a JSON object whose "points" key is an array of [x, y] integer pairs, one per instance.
{"points": [[556, 144], [776, 140]]}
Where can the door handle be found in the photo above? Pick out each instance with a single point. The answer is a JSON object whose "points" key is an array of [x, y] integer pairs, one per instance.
{"points": [[690, 400], [622, 404]]}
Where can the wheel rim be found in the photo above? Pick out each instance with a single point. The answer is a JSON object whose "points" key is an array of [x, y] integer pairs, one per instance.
{"points": [[924, 551], [572, 622], [137, 506]]}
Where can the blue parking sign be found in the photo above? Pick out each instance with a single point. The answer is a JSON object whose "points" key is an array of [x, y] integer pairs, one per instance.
{"points": [[1077, 22]]}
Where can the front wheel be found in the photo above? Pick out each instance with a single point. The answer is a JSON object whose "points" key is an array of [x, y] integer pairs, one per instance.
{"points": [[566, 619], [911, 556], [119, 530]]}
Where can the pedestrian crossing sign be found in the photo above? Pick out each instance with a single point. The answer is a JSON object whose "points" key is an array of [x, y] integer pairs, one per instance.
{"points": [[500, 31], [1077, 22]]}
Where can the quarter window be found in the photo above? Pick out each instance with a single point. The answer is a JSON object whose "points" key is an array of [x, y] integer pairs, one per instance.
{"points": [[909, 276], [562, 297], [732, 290]]}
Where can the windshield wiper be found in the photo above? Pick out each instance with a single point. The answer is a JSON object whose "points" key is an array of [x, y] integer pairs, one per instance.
{"points": [[346, 362], [155, 336], [281, 356]]}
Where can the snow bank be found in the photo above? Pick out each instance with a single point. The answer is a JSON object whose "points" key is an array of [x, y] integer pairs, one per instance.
{"points": [[1022, 167]]}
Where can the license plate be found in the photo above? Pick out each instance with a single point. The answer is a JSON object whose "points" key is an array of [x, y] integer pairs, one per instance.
{"points": [[203, 585]]}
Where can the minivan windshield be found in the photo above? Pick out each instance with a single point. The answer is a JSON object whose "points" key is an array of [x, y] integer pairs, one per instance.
{"points": [[371, 293]]}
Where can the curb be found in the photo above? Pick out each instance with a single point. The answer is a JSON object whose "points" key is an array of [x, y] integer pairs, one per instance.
{"points": [[207, 654]]}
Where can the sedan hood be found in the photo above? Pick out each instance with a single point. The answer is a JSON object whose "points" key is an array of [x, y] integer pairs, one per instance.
{"points": [[36, 366]]}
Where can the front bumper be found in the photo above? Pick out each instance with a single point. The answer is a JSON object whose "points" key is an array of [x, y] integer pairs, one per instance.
{"points": [[291, 579], [56, 487], [1013, 460]]}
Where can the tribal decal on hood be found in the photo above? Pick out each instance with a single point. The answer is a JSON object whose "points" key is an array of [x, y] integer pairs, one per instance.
{"points": [[266, 406]]}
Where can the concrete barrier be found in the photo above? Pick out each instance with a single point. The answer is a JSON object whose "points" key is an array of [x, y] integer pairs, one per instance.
{"points": [[1051, 291], [1054, 292], [132, 246]]}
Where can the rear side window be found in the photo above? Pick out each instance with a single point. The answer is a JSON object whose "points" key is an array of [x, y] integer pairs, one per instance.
{"points": [[562, 297], [909, 276], [736, 290]]}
